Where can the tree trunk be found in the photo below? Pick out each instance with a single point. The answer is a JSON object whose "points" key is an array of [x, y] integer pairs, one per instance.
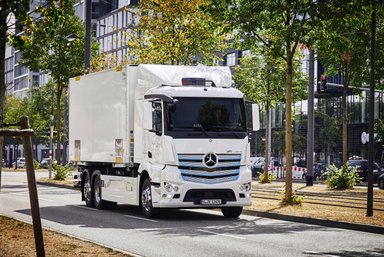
{"points": [[344, 124], [58, 120], [266, 154], [288, 127]]}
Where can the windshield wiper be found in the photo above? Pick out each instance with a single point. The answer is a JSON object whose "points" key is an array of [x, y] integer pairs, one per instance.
{"points": [[202, 130], [229, 129]]}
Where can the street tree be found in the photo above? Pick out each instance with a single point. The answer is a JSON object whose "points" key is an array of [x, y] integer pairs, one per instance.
{"points": [[261, 77], [343, 47], [280, 26], [10, 11], [45, 47], [175, 32], [38, 105]]}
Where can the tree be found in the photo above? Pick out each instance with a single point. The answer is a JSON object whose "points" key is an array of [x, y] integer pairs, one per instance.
{"points": [[175, 32], [45, 47], [8, 9], [280, 26], [38, 105], [343, 46], [261, 78]]}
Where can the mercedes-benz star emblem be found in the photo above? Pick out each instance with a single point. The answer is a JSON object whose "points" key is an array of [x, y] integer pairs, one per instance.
{"points": [[210, 160]]}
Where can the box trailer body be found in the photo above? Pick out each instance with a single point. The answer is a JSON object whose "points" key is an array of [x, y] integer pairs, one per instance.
{"points": [[160, 136]]}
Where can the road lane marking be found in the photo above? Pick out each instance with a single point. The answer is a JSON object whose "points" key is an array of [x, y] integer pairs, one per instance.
{"points": [[140, 218], [219, 234], [86, 208], [47, 200]]}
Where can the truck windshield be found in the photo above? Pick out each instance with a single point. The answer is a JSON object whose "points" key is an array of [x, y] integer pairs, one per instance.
{"points": [[206, 118]]}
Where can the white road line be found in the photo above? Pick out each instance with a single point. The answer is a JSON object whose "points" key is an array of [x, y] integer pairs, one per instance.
{"points": [[140, 218], [84, 207], [225, 235]]}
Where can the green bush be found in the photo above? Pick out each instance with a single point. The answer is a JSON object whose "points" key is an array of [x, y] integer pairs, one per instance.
{"points": [[271, 178], [341, 178], [295, 199], [36, 164], [60, 172]]}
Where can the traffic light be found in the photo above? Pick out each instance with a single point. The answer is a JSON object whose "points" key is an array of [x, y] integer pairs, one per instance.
{"points": [[323, 83]]}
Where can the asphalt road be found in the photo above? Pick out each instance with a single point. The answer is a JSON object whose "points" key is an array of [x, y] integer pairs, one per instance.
{"points": [[181, 232]]}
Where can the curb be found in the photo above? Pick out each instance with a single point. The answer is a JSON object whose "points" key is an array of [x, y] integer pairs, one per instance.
{"points": [[319, 222], [278, 216]]}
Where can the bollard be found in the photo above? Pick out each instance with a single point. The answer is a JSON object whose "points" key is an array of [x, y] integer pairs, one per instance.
{"points": [[33, 197], [26, 134]]}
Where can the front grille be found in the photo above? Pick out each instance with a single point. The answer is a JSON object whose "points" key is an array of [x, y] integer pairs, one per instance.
{"points": [[195, 195], [193, 169]]}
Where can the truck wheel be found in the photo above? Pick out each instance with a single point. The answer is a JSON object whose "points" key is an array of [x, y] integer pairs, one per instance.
{"points": [[231, 212], [87, 191], [97, 196], [381, 183], [146, 201]]}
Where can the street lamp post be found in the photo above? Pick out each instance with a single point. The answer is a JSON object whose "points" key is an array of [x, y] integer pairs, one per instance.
{"points": [[50, 144]]}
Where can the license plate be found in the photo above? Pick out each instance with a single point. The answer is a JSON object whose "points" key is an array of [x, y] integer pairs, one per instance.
{"points": [[210, 201]]}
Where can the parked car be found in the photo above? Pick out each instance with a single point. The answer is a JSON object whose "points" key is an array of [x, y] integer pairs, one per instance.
{"points": [[256, 166], [20, 162], [362, 169], [380, 181], [46, 162], [318, 170]]}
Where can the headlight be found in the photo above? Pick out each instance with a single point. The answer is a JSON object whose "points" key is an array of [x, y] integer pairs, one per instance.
{"points": [[169, 187], [246, 187]]}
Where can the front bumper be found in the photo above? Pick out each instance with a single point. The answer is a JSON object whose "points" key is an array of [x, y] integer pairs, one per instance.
{"points": [[174, 192]]}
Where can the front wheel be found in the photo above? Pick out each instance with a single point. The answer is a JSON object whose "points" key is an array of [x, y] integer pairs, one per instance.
{"points": [[146, 201], [231, 212]]}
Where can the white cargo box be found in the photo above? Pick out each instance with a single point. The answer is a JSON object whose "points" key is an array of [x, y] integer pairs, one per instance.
{"points": [[102, 106]]}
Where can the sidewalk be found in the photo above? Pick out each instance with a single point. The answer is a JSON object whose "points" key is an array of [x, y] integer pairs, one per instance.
{"points": [[321, 206]]}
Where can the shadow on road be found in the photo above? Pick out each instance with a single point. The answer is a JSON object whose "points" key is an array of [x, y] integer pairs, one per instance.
{"points": [[171, 223]]}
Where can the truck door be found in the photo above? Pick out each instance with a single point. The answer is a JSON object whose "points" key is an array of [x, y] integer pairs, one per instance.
{"points": [[154, 145]]}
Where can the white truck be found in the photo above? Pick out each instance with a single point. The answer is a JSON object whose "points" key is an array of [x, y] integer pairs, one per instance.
{"points": [[161, 136]]}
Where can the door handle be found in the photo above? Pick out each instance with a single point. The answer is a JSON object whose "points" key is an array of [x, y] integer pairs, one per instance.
{"points": [[149, 155]]}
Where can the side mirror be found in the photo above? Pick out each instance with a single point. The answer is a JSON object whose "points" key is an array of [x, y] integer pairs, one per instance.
{"points": [[255, 117], [147, 116]]}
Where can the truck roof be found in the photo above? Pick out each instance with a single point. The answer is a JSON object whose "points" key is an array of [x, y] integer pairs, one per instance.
{"points": [[196, 91]]}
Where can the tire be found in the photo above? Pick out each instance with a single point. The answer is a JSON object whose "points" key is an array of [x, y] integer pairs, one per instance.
{"points": [[304, 177], [231, 212], [97, 195], [380, 183], [146, 201], [87, 191]]}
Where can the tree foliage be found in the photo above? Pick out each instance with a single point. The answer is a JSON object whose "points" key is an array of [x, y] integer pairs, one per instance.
{"points": [[262, 78], [280, 26], [17, 9], [175, 32], [45, 47]]}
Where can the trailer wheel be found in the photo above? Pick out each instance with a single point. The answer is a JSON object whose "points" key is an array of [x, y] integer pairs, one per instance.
{"points": [[146, 201], [87, 191], [97, 196], [231, 212]]}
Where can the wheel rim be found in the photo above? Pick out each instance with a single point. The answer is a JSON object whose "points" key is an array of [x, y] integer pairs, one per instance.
{"points": [[87, 189], [146, 199], [97, 191]]}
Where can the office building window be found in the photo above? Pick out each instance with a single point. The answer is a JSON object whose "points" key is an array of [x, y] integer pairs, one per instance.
{"points": [[231, 59]]}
